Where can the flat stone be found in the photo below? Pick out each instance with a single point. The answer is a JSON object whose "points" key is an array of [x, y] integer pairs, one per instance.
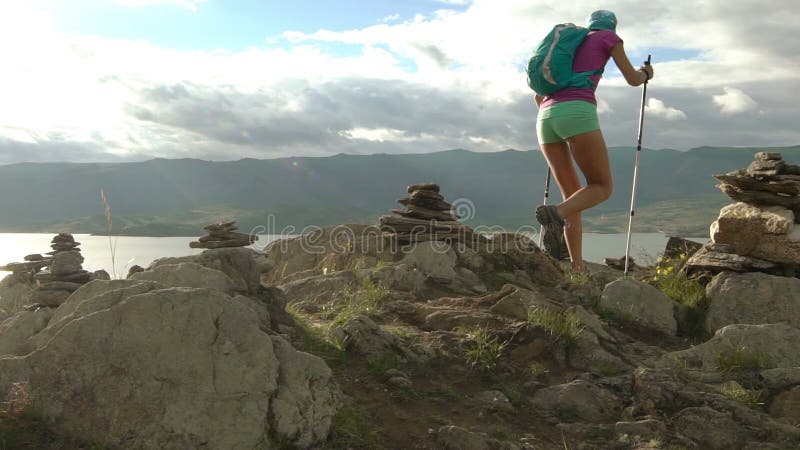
{"points": [[767, 156], [34, 257], [220, 244], [59, 285], [50, 298], [417, 212], [221, 226], [431, 195], [766, 167], [423, 187], [81, 276], [755, 197], [227, 236], [430, 203], [63, 237]]}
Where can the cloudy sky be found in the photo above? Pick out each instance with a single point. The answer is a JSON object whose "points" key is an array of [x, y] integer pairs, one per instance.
{"points": [[121, 80]]}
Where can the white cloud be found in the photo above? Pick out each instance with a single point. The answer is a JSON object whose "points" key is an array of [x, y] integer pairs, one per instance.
{"points": [[444, 80], [734, 101], [656, 107], [188, 4]]}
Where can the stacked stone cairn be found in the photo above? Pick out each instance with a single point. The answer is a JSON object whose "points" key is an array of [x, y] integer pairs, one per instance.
{"points": [[65, 273], [426, 217], [760, 231], [223, 235], [23, 272]]}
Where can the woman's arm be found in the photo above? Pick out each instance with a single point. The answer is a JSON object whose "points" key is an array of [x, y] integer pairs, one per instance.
{"points": [[633, 76]]}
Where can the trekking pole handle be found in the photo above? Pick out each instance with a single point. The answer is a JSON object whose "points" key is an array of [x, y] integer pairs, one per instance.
{"points": [[647, 63]]}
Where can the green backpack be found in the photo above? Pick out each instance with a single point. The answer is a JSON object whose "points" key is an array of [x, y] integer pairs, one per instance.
{"points": [[550, 68]]}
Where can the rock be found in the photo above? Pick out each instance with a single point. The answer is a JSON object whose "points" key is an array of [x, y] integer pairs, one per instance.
{"points": [[493, 401], [66, 262], [772, 345], [578, 400], [751, 221], [244, 266], [640, 303], [711, 429], [210, 378], [457, 438], [752, 298], [136, 269], [319, 290], [307, 398], [13, 297], [15, 331], [62, 285], [710, 258], [642, 430], [34, 257], [678, 246], [423, 187], [432, 258], [760, 197], [397, 277], [786, 406], [223, 235], [50, 298], [780, 378], [187, 275], [101, 275], [363, 336], [519, 301]]}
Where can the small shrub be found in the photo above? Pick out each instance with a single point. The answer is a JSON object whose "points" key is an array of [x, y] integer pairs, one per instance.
{"points": [[539, 369], [669, 279], [748, 397], [485, 348], [564, 326], [365, 300], [578, 277], [741, 359]]}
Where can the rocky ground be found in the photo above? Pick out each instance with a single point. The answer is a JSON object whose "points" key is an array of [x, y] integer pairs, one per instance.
{"points": [[343, 339]]}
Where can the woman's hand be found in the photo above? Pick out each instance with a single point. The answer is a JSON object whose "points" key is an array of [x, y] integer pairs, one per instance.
{"points": [[648, 71]]}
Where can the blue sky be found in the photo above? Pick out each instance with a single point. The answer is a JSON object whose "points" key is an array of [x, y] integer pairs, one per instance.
{"points": [[230, 24], [111, 80]]}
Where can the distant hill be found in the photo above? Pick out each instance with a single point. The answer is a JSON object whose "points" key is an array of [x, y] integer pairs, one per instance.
{"points": [[677, 192]]}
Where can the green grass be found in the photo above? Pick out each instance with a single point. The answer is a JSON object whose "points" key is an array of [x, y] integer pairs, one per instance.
{"points": [[317, 340], [742, 360], [485, 349], [691, 295], [352, 429], [751, 398], [365, 300], [564, 326]]}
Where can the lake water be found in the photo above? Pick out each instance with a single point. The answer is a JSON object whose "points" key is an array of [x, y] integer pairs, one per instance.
{"points": [[130, 250]]}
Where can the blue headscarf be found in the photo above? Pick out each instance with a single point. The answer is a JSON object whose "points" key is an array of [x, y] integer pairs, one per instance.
{"points": [[602, 20]]}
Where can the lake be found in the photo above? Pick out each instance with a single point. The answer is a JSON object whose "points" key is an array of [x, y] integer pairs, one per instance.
{"points": [[130, 250]]}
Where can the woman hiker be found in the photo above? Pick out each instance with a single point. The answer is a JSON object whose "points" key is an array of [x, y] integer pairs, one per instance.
{"points": [[568, 129]]}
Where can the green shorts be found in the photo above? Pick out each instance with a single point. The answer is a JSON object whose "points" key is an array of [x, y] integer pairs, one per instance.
{"points": [[563, 120]]}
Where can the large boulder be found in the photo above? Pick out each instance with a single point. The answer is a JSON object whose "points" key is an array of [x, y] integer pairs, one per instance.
{"points": [[15, 331], [769, 346], [711, 429], [187, 274], [578, 400], [434, 258], [752, 298], [244, 266], [761, 232], [640, 303], [174, 368], [14, 294]]}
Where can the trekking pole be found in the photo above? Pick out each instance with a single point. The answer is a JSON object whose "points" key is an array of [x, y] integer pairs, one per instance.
{"points": [[546, 196], [635, 173]]}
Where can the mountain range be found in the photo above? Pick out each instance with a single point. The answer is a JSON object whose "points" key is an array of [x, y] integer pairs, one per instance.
{"points": [[676, 194]]}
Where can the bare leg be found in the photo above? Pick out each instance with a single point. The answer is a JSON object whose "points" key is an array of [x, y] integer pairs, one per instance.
{"points": [[590, 153], [560, 161]]}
